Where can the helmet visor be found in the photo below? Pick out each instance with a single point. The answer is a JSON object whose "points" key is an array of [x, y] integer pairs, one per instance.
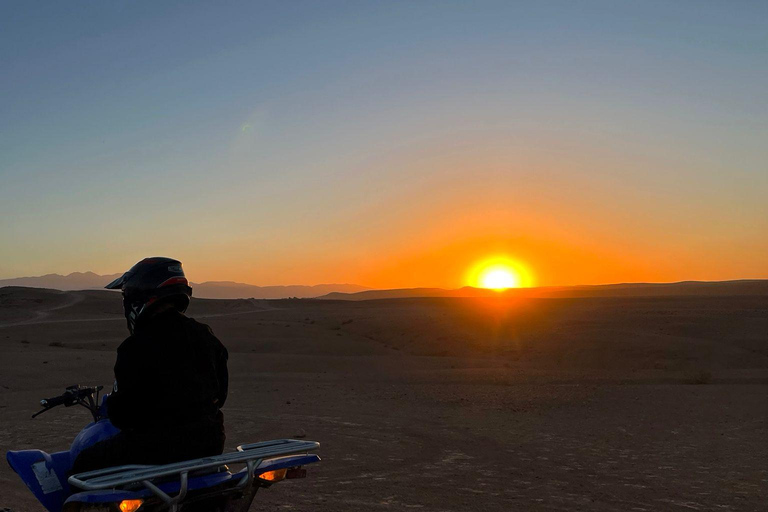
{"points": [[118, 283]]}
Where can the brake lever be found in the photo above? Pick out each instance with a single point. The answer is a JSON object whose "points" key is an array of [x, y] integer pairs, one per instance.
{"points": [[38, 413]]}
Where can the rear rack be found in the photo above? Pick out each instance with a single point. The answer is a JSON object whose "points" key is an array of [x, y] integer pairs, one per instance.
{"points": [[251, 455]]}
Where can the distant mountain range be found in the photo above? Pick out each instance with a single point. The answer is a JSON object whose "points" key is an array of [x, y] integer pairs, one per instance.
{"points": [[232, 290], [73, 281], [687, 288], [352, 292], [206, 290]]}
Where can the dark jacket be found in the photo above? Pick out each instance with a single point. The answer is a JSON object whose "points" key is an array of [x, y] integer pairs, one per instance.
{"points": [[172, 371], [170, 382]]}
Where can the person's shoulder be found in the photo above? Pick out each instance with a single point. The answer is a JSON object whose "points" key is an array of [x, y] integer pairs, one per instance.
{"points": [[197, 327], [127, 344], [203, 334]]}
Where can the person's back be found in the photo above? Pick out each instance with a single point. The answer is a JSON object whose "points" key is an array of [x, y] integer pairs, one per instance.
{"points": [[170, 381]]}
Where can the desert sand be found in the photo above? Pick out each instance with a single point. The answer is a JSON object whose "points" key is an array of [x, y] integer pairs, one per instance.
{"points": [[630, 403]]}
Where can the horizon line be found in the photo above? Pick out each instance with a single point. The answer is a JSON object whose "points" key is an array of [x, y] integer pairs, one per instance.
{"points": [[369, 288]]}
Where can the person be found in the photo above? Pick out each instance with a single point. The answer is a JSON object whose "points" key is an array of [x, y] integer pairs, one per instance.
{"points": [[171, 376]]}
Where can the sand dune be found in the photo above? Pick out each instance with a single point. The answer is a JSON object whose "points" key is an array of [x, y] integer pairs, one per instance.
{"points": [[630, 403]]}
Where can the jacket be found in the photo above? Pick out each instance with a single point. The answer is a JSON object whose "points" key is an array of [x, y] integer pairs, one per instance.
{"points": [[171, 371]]}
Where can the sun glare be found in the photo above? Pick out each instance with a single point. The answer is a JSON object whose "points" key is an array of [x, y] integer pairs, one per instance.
{"points": [[499, 279], [500, 274]]}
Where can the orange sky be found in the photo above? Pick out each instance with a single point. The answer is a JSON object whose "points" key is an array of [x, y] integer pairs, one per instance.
{"points": [[464, 203], [423, 216]]}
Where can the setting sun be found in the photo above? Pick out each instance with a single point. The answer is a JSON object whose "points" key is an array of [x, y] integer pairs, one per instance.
{"points": [[499, 278], [500, 273]]}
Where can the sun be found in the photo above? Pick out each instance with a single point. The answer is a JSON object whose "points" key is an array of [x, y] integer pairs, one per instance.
{"points": [[499, 278], [500, 273]]}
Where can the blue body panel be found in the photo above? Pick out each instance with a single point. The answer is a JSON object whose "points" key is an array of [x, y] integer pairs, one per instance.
{"points": [[92, 434], [289, 461], [46, 475]]}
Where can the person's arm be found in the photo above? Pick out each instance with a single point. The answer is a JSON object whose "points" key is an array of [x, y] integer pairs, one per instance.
{"points": [[121, 405], [222, 373], [218, 357]]}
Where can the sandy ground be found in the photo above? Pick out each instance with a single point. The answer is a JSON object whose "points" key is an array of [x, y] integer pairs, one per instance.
{"points": [[447, 404]]}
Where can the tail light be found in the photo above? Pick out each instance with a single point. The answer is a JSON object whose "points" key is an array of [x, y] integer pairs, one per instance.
{"points": [[274, 476], [130, 505]]}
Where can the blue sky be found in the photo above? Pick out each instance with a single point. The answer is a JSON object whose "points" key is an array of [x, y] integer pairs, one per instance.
{"points": [[282, 142]]}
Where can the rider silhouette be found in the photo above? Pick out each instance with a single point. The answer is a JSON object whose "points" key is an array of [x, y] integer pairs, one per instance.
{"points": [[171, 376]]}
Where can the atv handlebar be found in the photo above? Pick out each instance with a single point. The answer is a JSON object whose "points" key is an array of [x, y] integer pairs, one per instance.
{"points": [[70, 396], [86, 396], [53, 402]]}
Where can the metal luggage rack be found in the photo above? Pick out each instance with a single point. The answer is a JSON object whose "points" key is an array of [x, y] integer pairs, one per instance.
{"points": [[251, 455]]}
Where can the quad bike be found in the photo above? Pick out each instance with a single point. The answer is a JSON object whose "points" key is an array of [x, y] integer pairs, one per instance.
{"points": [[206, 484]]}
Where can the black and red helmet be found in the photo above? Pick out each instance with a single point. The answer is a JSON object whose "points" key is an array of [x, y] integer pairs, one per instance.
{"points": [[149, 282]]}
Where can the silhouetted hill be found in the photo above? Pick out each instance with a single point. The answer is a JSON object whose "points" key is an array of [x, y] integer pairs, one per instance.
{"points": [[683, 288], [232, 290], [73, 281], [207, 290]]}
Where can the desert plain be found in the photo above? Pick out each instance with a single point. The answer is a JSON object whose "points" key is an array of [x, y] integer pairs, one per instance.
{"points": [[446, 404]]}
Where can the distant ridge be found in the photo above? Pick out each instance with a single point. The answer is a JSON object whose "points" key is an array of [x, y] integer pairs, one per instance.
{"points": [[232, 290], [73, 281], [684, 288], [353, 292], [206, 290]]}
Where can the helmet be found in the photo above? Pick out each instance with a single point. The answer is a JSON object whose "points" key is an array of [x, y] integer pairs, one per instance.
{"points": [[149, 282]]}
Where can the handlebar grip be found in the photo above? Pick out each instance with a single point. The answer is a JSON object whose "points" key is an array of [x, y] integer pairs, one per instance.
{"points": [[70, 396], [56, 400]]}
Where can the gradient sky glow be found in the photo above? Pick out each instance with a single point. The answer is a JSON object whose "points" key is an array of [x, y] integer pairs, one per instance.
{"points": [[387, 144]]}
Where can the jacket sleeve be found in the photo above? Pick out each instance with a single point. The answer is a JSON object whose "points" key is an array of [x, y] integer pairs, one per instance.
{"points": [[123, 399], [216, 364], [222, 373]]}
